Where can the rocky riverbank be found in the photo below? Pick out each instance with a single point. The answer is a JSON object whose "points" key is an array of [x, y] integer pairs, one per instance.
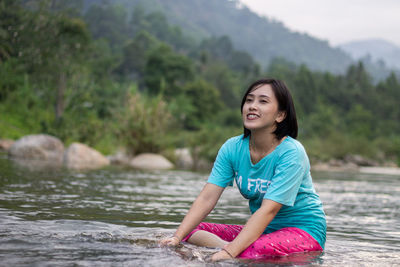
{"points": [[45, 151]]}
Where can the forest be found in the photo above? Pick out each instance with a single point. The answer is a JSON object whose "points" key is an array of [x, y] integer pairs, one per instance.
{"points": [[113, 78]]}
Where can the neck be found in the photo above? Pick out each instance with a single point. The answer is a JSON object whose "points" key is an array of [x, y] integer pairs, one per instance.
{"points": [[263, 142]]}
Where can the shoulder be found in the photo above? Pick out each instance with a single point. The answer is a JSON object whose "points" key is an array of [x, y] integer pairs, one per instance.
{"points": [[292, 148], [235, 140], [232, 145], [292, 144]]}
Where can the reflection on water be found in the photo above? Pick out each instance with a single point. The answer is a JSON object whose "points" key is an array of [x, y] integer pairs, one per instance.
{"points": [[113, 216]]}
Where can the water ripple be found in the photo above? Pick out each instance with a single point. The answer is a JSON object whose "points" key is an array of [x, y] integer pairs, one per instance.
{"points": [[115, 216]]}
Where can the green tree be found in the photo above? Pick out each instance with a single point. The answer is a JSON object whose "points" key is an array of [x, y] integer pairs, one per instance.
{"points": [[243, 63], [305, 90], [359, 86], [388, 97], [220, 48], [143, 123], [167, 71], [226, 81], [321, 122], [49, 61], [360, 122], [205, 100], [135, 55], [157, 25], [109, 22]]}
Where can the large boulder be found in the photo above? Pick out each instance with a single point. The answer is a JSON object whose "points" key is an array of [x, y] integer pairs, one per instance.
{"points": [[150, 161], [38, 147], [120, 158], [184, 159], [360, 160], [5, 144], [79, 156]]}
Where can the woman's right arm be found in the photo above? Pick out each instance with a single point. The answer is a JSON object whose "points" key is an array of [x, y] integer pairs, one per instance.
{"points": [[201, 207]]}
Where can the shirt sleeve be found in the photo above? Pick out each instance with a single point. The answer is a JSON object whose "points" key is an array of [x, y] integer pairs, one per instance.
{"points": [[222, 173], [289, 173]]}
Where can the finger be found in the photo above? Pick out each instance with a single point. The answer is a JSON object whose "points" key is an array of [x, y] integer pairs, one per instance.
{"points": [[164, 242]]}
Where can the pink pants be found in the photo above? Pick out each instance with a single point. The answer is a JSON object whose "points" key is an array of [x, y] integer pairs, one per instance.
{"points": [[279, 243]]}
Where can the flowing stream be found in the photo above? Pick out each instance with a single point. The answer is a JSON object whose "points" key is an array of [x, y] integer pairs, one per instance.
{"points": [[115, 216]]}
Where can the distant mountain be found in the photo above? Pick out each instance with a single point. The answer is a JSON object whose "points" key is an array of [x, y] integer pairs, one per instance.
{"points": [[376, 49], [261, 37]]}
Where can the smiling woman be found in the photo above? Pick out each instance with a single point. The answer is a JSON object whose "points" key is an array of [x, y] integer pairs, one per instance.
{"points": [[272, 171], [260, 109]]}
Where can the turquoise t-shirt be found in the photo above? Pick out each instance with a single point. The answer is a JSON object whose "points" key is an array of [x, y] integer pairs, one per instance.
{"points": [[282, 176]]}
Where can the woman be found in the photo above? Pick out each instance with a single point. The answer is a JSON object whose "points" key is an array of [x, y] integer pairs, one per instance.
{"points": [[272, 170]]}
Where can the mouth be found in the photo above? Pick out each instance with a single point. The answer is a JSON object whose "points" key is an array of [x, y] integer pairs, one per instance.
{"points": [[252, 116]]}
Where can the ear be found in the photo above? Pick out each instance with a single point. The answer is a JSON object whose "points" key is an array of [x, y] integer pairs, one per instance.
{"points": [[281, 116]]}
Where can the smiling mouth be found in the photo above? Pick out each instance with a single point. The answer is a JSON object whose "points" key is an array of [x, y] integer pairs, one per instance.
{"points": [[252, 116]]}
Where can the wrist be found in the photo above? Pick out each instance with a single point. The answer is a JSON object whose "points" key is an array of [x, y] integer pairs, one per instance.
{"points": [[227, 252], [177, 238]]}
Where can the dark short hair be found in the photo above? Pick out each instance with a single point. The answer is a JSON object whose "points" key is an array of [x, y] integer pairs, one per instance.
{"points": [[287, 127]]}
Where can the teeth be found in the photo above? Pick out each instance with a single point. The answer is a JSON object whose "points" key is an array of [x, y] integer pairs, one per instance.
{"points": [[251, 116]]}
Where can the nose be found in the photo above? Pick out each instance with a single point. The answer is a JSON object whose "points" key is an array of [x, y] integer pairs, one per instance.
{"points": [[253, 106]]}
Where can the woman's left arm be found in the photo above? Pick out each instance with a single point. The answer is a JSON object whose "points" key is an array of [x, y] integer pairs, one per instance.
{"points": [[253, 229]]}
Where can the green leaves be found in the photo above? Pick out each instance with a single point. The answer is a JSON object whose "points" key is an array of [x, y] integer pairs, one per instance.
{"points": [[143, 123], [184, 93], [166, 71]]}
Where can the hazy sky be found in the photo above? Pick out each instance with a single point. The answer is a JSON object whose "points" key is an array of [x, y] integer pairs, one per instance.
{"points": [[336, 21]]}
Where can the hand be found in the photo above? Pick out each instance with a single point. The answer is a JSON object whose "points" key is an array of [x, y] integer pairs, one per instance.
{"points": [[170, 241], [221, 255]]}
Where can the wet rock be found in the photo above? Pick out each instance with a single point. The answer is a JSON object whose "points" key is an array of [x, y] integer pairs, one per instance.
{"points": [[390, 164], [360, 160], [38, 147], [79, 156], [335, 165], [320, 166], [5, 144], [150, 161], [34, 165], [203, 165], [184, 159], [381, 170], [342, 165], [119, 158]]}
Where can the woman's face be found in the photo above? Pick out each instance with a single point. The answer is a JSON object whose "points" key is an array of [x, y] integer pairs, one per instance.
{"points": [[260, 110]]}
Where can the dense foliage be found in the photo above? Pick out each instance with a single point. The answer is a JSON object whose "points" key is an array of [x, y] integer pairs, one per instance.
{"points": [[113, 77]]}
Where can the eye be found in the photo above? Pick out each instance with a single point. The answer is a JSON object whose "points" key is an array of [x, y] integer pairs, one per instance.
{"points": [[249, 99]]}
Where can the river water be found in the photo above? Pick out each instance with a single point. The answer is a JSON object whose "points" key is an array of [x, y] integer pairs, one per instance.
{"points": [[115, 216]]}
